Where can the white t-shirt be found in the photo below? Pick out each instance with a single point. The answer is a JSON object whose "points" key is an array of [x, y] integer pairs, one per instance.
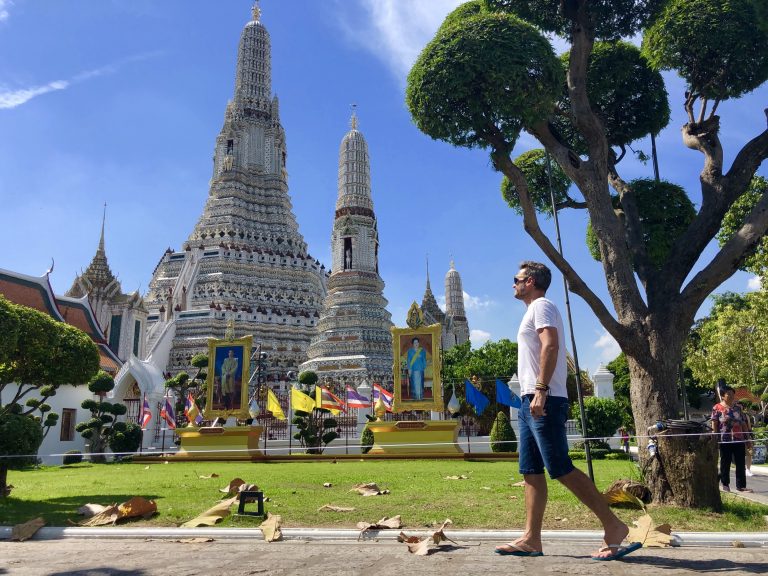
{"points": [[541, 313]]}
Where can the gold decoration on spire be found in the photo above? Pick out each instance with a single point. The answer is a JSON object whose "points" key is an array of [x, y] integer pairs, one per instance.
{"points": [[229, 334], [256, 11], [353, 120], [415, 318]]}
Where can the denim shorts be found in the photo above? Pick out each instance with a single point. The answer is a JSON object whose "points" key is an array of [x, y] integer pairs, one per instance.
{"points": [[543, 443]]}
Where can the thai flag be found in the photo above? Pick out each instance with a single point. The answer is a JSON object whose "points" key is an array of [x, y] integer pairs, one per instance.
{"points": [[386, 397], [356, 400], [191, 411], [167, 414], [146, 414]]}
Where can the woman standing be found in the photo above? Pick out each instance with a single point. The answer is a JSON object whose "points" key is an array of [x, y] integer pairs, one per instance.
{"points": [[730, 421]]}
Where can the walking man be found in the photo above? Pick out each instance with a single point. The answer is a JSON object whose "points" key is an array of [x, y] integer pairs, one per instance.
{"points": [[542, 370]]}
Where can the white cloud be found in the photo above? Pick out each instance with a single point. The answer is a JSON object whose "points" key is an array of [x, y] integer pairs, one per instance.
{"points": [[396, 31], [476, 302], [14, 98], [4, 6], [608, 347], [479, 337], [754, 283]]}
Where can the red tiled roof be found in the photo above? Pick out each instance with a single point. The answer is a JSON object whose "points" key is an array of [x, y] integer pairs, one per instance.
{"points": [[743, 393]]}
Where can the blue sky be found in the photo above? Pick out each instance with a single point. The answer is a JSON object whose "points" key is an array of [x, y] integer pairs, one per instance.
{"points": [[120, 101]]}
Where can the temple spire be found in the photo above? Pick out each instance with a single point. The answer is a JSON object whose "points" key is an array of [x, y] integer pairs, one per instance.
{"points": [[256, 11], [428, 286], [353, 119], [103, 220]]}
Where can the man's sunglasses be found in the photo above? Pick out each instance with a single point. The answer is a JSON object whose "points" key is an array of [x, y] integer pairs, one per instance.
{"points": [[519, 280]]}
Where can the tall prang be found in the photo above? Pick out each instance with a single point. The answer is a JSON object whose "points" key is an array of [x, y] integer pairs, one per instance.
{"points": [[457, 328], [245, 260], [353, 342]]}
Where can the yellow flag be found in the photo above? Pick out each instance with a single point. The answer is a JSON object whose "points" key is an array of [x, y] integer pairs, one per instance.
{"points": [[274, 406], [300, 401]]}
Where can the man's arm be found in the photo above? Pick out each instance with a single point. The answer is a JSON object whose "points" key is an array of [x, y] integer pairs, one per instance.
{"points": [[547, 363]]}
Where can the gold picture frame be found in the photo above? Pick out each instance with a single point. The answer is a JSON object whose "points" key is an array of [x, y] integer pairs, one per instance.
{"points": [[229, 368], [416, 352]]}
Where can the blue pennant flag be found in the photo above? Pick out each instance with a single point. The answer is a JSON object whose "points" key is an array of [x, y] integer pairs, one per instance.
{"points": [[475, 398], [505, 396]]}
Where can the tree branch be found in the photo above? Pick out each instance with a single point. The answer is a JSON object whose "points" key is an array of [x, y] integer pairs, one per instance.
{"points": [[503, 163], [730, 257], [632, 226]]}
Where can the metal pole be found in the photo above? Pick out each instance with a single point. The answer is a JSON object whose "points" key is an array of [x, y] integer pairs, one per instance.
{"points": [[579, 393], [655, 158], [683, 390]]}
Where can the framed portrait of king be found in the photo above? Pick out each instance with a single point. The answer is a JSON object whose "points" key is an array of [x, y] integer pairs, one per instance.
{"points": [[416, 352], [228, 375]]}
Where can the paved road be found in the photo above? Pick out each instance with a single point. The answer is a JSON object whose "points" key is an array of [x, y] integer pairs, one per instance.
{"points": [[758, 483], [323, 558]]}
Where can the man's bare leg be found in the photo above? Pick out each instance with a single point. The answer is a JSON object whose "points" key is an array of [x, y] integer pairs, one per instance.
{"points": [[582, 487], [535, 504]]}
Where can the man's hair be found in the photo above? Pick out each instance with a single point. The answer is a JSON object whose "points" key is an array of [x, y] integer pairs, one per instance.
{"points": [[415, 340], [542, 276]]}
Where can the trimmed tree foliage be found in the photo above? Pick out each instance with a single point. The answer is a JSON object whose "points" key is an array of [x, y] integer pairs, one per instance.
{"points": [[19, 436], [665, 212], [533, 164], [366, 440], [503, 437], [99, 428], [756, 261], [603, 416], [487, 75], [125, 438], [37, 355]]}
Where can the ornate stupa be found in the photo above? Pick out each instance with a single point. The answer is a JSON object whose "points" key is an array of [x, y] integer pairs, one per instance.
{"points": [[353, 341], [122, 317], [245, 260], [455, 328]]}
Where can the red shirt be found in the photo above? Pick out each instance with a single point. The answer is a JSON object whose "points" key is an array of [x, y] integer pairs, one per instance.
{"points": [[731, 422]]}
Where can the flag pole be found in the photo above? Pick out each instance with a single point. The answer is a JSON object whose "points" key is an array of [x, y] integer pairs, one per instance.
{"points": [[346, 424], [290, 423], [579, 389]]}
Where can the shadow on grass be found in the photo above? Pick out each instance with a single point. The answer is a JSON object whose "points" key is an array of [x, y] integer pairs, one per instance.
{"points": [[57, 511]]}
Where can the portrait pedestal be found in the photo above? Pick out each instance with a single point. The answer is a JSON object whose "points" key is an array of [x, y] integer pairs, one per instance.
{"points": [[217, 443], [415, 437]]}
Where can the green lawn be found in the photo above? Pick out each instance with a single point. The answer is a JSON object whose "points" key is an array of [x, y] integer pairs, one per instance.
{"points": [[419, 493]]}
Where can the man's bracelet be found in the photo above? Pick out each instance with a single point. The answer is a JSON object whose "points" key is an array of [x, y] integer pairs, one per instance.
{"points": [[542, 386]]}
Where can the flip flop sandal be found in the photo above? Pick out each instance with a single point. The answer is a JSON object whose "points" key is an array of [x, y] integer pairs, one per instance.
{"points": [[620, 552], [515, 550]]}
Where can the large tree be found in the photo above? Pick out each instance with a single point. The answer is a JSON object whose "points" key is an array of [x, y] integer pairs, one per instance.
{"points": [[492, 73], [37, 356]]}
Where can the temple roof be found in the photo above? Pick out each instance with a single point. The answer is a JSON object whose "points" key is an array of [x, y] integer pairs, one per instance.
{"points": [[98, 275]]}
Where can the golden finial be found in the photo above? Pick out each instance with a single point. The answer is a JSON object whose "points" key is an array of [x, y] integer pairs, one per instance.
{"points": [[415, 318], [353, 120], [379, 409], [256, 11]]}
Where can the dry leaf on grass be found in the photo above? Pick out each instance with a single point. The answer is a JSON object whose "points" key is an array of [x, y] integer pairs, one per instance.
{"points": [[7, 490], [327, 485], [383, 524], [209, 476], [422, 547], [136, 507], [619, 496], [213, 515], [22, 532], [89, 510], [459, 477], [521, 483], [332, 508], [271, 527], [649, 535], [369, 489]]}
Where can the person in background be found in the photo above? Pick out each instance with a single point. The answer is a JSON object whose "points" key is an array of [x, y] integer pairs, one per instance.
{"points": [[624, 439], [731, 423]]}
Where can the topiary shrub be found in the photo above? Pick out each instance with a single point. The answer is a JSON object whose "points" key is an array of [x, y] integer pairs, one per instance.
{"points": [[72, 457], [503, 437], [19, 436], [617, 456], [125, 438], [366, 440]]}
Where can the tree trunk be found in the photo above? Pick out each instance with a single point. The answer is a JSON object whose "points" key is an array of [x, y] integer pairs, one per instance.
{"points": [[97, 447], [3, 480], [680, 457]]}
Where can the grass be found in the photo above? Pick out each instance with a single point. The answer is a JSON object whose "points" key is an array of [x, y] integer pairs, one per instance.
{"points": [[419, 492]]}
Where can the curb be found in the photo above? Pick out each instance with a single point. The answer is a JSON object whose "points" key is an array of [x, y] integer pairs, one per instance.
{"points": [[727, 539]]}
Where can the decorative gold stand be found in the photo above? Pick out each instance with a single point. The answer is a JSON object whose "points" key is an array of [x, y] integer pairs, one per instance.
{"points": [[211, 443], [415, 437]]}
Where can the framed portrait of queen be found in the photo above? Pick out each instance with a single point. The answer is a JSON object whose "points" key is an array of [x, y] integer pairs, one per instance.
{"points": [[416, 353], [228, 375]]}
